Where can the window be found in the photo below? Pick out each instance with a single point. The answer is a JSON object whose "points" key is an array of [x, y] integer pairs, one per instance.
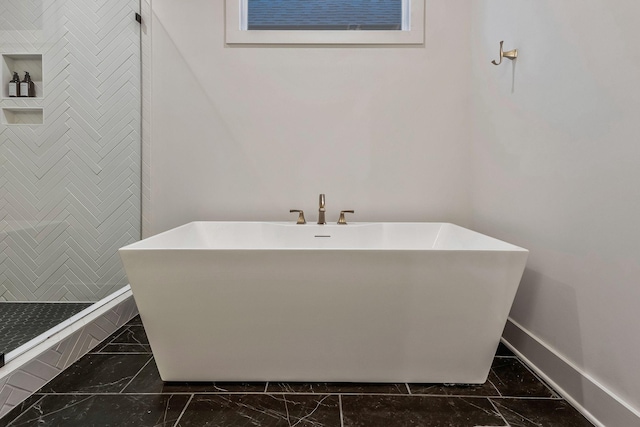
{"points": [[325, 21], [323, 14]]}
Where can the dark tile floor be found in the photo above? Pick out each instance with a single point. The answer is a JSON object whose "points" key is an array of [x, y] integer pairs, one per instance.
{"points": [[117, 384], [22, 321]]}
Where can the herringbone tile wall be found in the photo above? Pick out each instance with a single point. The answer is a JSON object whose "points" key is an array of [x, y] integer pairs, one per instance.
{"points": [[70, 188]]}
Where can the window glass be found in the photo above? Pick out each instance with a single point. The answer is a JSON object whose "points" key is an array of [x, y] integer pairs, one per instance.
{"points": [[324, 14]]}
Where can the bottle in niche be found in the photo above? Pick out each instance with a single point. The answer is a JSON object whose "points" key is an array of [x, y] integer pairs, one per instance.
{"points": [[27, 88], [14, 85]]}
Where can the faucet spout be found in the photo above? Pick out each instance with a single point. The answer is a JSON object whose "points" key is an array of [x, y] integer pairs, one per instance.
{"points": [[321, 211]]}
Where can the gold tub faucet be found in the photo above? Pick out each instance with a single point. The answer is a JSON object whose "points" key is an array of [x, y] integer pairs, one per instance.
{"points": [[321, 211]]}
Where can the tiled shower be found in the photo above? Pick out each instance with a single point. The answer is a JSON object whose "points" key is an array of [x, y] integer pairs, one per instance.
{"points": [[70, 170]]}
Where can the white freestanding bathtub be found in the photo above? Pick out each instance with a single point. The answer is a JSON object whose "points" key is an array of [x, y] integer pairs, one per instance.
{"points": [[363, 302]]}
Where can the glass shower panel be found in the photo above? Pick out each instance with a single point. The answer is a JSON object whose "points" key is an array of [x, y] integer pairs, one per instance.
{"points": [[69, 157]]}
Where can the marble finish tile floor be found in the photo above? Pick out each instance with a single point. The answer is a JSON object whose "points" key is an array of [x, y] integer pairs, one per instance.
{"points": [[118, 384]]}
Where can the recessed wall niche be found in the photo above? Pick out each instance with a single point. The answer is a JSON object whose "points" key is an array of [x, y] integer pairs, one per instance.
{"points": [[22, 116], [19, 63]]}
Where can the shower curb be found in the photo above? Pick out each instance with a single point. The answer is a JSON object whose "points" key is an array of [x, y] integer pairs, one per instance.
{"points": [[28, 372]]}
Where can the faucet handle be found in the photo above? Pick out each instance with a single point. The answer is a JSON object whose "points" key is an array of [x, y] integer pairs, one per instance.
{"points": [[301, 219], [341, 220]]}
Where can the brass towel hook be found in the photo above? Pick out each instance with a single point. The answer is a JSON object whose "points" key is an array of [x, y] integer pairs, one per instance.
{"points": [[512, 54]]}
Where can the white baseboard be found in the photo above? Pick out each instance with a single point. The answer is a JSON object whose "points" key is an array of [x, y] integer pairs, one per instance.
{"points": [[597, 403], [45, 358]]}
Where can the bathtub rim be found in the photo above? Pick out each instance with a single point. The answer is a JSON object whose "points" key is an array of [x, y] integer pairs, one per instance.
{"points": [[143, 245]]}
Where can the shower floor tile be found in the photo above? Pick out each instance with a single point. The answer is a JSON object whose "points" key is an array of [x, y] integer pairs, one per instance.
{"points": [[22, 321], [118, 384]]}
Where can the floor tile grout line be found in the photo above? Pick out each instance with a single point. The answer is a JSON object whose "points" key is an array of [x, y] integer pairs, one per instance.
{"points": [[506, 423], [547, 386], [121, 352], [23, 411], [495, 386], [124, 329], [104, 344], [526, 397], [260, 393], [183, 411], [137, 373], [126, 343], [64, 408], [133, 333], [341, 413]]}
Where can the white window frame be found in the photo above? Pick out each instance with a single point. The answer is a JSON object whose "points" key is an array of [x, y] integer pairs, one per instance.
{"points": [[412, 30]]}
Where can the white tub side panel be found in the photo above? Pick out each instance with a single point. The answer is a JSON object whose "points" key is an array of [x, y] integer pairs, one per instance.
{"points": [[324, 315]]}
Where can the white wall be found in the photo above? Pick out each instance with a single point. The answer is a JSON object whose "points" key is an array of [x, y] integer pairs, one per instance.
{"points": [[557, 170], [247, 133]]}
